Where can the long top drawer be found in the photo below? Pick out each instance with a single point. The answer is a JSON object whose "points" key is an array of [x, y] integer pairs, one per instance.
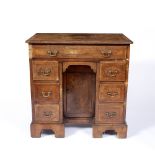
{"points": [[75, 51]]}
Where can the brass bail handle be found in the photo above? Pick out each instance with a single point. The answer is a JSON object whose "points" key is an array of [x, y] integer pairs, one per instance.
{"points": [[110, 114], [47, 113], [44, 72], [112, 94], [46, 94], [106, 53], [47, 72], [113, 73], [52, 53]]}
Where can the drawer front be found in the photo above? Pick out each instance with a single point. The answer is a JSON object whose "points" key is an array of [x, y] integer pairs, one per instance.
{"points": [[111, 92], [46, 93], [45, 70], [112, 71], [110, 113], [61, 51], [46, 113]]}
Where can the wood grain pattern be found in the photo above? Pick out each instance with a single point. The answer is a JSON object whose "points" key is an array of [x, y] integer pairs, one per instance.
{"points": [[79, 79], [45, 70], [110, 113], [46, 93], [80, 90], [46, 113], [37, 128], [72, 51], [78, 38], [92, 65], [111, 92], [112, 70], [100, 129], [61, 93]]}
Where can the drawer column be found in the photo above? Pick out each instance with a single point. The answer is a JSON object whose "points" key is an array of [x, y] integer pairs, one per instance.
{"points": [[46, 95], [110, 105]]}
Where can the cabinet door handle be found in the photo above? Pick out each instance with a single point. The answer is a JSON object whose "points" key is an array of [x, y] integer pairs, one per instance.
{"points": [[47, 113], [52, 53], [112, 94], [44, 72], [106, 53], [46, 94], [110, 114]]}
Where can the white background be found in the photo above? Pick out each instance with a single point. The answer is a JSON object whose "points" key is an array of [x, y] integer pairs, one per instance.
{"points": [[20, 19]]}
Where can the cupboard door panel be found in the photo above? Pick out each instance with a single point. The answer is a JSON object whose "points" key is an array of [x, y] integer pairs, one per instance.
{"points": [[80, 92]]}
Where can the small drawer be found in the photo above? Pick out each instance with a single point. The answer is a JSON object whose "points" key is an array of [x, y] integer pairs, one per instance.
{"points": [[46, 93], [46, 113], [112, 71], [45, 70], [111, 92], [70, 51], [106, 113]]}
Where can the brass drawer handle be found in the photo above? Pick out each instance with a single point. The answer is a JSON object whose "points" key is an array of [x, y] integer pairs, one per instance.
{"points": [[110, 114], [112, 94], [47, 113], [45, 72], [113, 73], [106, 53], [46, 94], [52, 53]]}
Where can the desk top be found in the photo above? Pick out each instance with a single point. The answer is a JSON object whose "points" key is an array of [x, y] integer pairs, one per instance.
{"points": [[79, 38]]}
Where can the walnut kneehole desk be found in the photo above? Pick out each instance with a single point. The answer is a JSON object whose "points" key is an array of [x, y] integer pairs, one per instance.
{"points": [[79, 79]]}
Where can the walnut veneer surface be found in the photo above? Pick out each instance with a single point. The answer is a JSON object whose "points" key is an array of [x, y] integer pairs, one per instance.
{"points": [[79, 79]]}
